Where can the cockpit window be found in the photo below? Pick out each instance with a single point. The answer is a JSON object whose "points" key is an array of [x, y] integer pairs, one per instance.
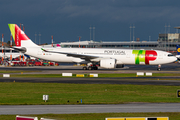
{"points": [[169, 55]]}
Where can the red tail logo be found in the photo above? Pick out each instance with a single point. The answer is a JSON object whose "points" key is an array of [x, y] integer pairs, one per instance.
{"points": [[19, 35]]}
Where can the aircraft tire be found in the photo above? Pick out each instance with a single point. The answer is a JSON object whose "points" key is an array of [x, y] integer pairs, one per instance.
{"points": [[84, 68], [159, 69], [90, 68], [95, 68]]}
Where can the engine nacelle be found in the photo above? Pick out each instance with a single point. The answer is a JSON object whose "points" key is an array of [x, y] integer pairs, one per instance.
{"points": [[108, 63], [119, 65]]}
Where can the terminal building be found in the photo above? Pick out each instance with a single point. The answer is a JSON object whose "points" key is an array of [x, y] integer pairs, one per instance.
{"points": [[165, 42]]}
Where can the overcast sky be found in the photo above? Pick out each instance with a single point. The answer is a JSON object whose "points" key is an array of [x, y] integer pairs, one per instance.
{"points": [[68, 19]]}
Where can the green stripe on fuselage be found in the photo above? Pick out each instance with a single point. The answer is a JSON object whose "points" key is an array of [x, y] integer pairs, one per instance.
{"points": [[139, 56]]}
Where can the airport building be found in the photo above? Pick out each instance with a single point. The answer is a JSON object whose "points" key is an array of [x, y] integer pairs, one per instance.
{"points": [[165, 42]]}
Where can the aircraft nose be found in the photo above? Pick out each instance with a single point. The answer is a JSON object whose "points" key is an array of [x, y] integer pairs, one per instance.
{"points": [[174, 59]]}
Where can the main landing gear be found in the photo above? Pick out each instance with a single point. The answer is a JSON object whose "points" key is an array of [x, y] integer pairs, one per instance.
{"points": [[90, 68], [159, 67]]}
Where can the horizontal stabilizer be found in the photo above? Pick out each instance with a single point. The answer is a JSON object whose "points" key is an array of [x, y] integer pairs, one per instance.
{"points": [[20, 49]]}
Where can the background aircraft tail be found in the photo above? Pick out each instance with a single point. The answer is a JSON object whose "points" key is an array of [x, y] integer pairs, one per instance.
{"points": [[58, 45], [20, 38], [178, 49], [178, 52]]}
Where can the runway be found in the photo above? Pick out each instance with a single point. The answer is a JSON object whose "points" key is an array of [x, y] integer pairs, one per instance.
{"points": [[121, 80], [111, 108], [76, 109]]}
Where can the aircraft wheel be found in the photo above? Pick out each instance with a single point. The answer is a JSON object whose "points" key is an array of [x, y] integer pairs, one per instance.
{"points": [[90, 68], [95, 68], [159, 69], [84, 68]]}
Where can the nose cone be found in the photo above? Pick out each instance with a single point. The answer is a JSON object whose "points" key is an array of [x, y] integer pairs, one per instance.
{"points": [[174, 59]]}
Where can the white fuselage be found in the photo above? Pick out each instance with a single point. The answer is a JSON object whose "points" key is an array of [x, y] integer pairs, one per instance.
{"points": [[107, 58], [122, 56]]}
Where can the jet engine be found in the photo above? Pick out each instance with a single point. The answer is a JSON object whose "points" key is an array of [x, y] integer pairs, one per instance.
{"points": [[108, 63]]}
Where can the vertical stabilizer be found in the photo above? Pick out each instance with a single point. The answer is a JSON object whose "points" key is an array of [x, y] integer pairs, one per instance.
{"points": [[178, 49], [20, 38], [58, 45]]}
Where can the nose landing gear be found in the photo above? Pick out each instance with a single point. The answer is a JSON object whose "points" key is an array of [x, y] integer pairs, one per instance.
{"points": [[159, 67]]}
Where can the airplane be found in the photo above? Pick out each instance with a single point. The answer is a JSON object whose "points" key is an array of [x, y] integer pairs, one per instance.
{"points": [[92, 57]]}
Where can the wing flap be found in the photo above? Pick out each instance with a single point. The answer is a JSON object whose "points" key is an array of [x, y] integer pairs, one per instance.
{"points": [[82, 56]]}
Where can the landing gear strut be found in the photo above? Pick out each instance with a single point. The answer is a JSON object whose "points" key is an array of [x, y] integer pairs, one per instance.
{"points": [[94, 67], [159, 67]]}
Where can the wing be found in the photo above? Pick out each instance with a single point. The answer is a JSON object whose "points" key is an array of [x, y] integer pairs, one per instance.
{"points": [[85, 57]]}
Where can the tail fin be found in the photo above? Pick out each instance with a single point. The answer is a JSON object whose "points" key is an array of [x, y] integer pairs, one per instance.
{"points": [[58, 45], [178, 49], [20, 38]]}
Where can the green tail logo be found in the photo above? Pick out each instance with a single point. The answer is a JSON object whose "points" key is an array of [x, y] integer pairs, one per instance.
{"points": [[144, 56]]}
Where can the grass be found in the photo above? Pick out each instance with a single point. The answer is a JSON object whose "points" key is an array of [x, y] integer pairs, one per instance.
{"points": [[97, 116], [87, 75], [59, 93]]}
